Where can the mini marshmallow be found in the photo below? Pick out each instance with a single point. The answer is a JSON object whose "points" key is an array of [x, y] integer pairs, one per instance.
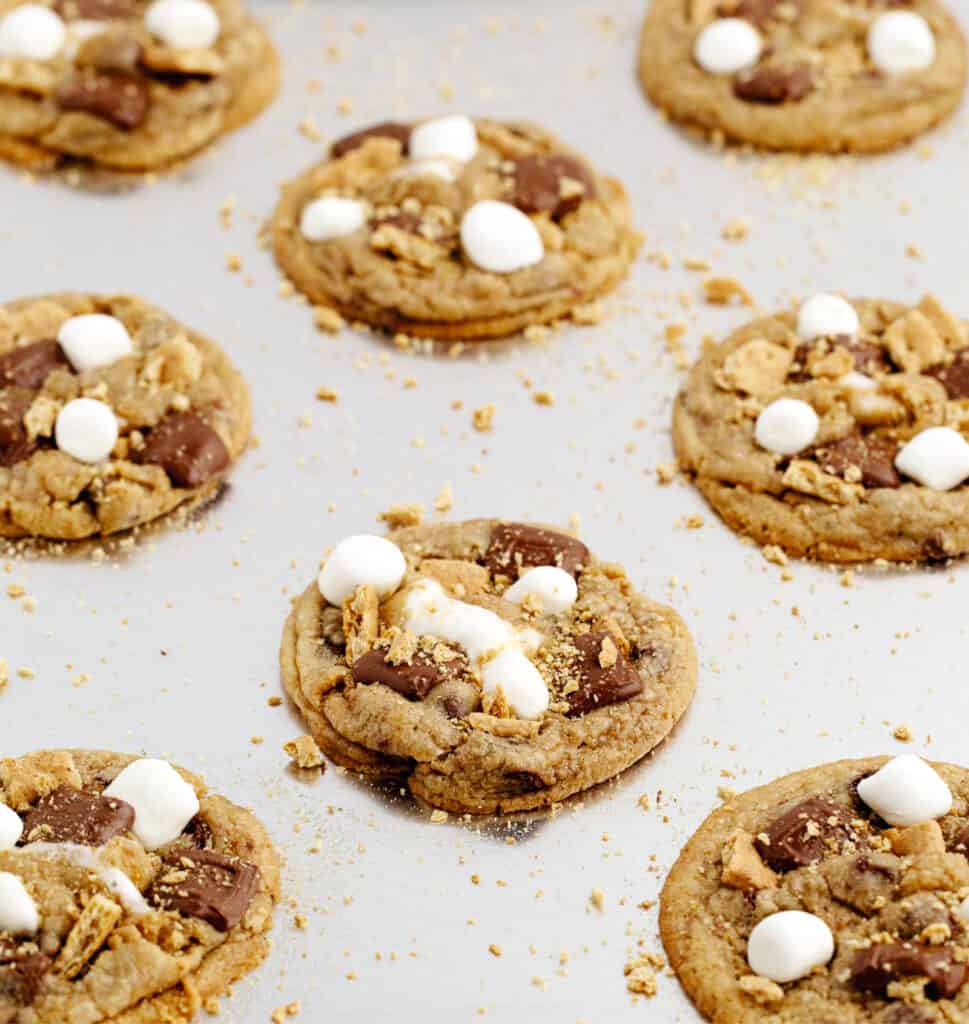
{"points": [[164, 802], [183, 24], [32, 31], [362, 560], [493, 647], [453, 136], [554, 587], [18, 912], [94, 340], [788, 945], [86, 429], [93, 858], [11, 827], [826, 316], [937, 458], [728, 45], [901, 41], [498, 237], [786, 426], [855, 381], [906, 791], [332, 217]]}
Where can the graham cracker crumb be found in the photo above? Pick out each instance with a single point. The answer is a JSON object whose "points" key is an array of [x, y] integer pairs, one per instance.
{"points": [[598, 899], [590, 314], [761, 990], [640, 974], [325, 394], [902, 733], [483, 419], [494, 949], [328, 320], [543, 398], [774, 554], [444, 501], [283, 1012], [403, 515], [736, 230], [304, 752], [721, 291], [4, 674], [438, 817], [666, 472]]}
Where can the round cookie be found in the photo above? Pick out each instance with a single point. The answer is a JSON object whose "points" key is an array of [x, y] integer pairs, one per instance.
{"points": [[820, 75], [452, 229], [129, 894], [799, 903], [133, 85], [836, 432], [112, 414], [503, 669]]}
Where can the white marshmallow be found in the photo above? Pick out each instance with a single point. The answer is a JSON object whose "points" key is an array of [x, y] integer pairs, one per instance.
{"points": [[789, 945], [359, 560], [498, 237], [446, 170], [855, 381], [555, 588], [164, 802], [826, 316], [494, 649], [90, 857], [183, 24], [906, 791], [728, 45], [86, 429], [11, 827], [32, 31], [453, 136], [936, 458], [94, 340], [786, 426], [332, 217], [18, 912], [901, 41]]}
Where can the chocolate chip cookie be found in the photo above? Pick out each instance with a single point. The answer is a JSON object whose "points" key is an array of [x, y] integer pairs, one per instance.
{"points": [[836, 895], [493, 666], [129, 894], [837, 432], [132, 85], [112, 414], [454, 229], [821, 75]]}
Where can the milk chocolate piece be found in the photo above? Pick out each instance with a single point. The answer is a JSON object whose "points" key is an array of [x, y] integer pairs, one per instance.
{"points": [[518, 546], [955, 376], [384, 130], [187, 448], [808, 832], [15, 445], [872, 969], [600, 685], [30, 365], [22, 969], [774, 85], [204, 884], [113, 96], [70, 815], [873, 456], [541, 184], [414, 681]]}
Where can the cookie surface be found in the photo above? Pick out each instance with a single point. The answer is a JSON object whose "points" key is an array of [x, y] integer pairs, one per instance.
{"points": [[124, 912], [128, 89], [847, 492], [805, 74], [179, 412], [890, 895], [391, 698], [452, 229]]}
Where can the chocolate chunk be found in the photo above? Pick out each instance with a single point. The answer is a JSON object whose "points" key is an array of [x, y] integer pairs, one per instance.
{"points": [[872, 455], [30, 365], [955, 376], [414, 681], [869, 357], [22, 969], [806, 834], [15, 445], [110, 51], [72, 816], [874, 968], [112, 96], [187, 448], [600, 685], [549, 182], [199, 832], [385, 130], [94, 10], [774, 85], [517, 546], [205, 884]]}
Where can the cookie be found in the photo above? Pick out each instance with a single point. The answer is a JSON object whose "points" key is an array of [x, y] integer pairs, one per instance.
{"points": [[129, 894], [837, 432], [453, 229], [835, 895], [127, 84], [112, 414], [492, 666], [819, 75]]}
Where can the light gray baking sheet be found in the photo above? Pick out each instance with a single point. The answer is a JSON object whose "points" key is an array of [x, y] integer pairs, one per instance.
{"points": [[177, 642]]}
